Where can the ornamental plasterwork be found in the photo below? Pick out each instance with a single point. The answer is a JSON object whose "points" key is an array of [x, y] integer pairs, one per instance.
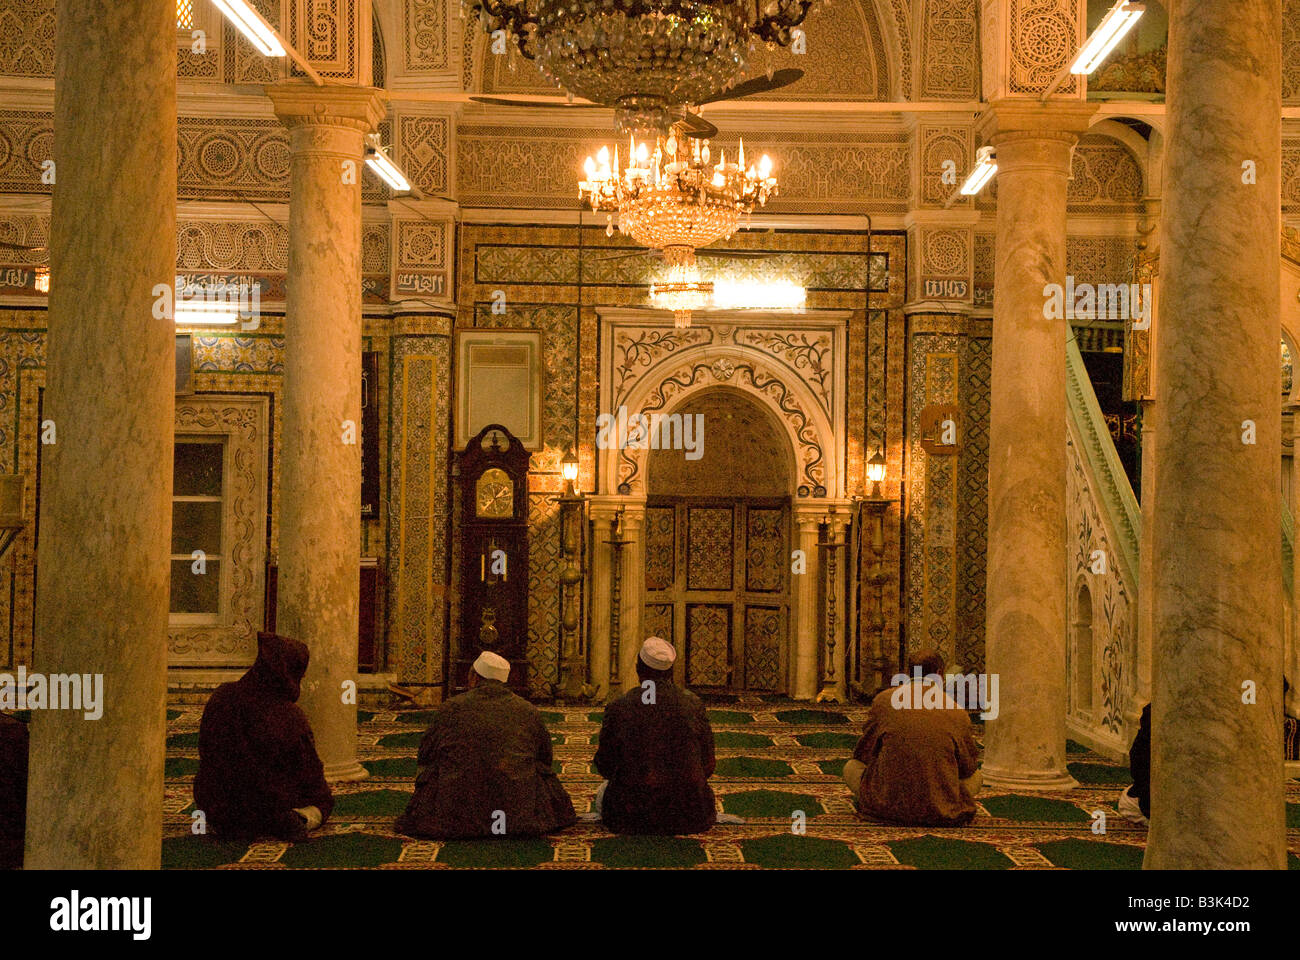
{"points": [[949, 55], [1043, 34], [425, 27], [1104, 177], [940, 145], [243, 422], [1113, 598], [793, 368]]}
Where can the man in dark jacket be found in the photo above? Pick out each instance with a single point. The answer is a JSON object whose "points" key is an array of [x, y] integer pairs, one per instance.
{"points": [[1135, 801], [485, 766], [259, 773], [656, 751], [13, 791]]}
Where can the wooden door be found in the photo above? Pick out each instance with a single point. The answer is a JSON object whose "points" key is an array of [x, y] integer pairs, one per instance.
{"points": [[717, 587]]}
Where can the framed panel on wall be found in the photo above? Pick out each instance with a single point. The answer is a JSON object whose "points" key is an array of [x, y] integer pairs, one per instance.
{"points": [[499, 380]]}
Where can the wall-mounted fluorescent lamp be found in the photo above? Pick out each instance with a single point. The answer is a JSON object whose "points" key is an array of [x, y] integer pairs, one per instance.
{"points": [[264, 37], [385, 169], [1114, 27], [202, 314], [986, 164]]}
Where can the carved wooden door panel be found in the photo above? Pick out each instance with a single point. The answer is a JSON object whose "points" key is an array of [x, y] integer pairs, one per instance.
{"points": [[717, 588]]}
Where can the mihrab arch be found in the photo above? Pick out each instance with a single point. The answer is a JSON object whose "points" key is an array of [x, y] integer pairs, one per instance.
{"points": [[790, 364]]}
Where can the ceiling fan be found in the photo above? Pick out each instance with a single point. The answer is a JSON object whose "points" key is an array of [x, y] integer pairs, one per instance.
{"points": [[27, 248], [693, 124]]}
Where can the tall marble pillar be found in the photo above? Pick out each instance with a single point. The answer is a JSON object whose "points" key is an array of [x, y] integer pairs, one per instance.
{"points": [[96, 785], [1027, 584], [1216, 763], [320, 472]]}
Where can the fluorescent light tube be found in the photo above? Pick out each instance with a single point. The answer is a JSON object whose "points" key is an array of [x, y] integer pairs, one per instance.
{"points": [[1118, 21], [386, 170], [253, 26], [986, 164]]}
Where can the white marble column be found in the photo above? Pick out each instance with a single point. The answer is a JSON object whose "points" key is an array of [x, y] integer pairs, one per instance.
{"points": [[632, 612], [95, 786], [1027, 583], [806, 628], [320, 473], [1216, 762]]}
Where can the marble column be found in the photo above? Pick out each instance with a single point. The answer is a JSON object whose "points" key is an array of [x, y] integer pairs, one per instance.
{"points": [[604, 511], [320, 472], [96, 786], [632, 610], [1027, 582], [806, 627], [1216, 761]]}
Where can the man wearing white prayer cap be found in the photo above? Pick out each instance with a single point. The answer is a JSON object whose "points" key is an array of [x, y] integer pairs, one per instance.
{"points": [[656, 752], [485, 766], [492, 666]]}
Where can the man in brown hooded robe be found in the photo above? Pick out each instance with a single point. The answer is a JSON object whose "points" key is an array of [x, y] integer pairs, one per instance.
{"points": [[917, 763], [259, 773], [484, 766], [13, 791]]}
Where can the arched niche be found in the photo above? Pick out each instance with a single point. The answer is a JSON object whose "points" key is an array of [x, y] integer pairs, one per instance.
{"points": [[744, 451], [791, 367]]}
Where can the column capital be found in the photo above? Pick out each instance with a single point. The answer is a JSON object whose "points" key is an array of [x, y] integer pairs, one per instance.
{"points": [[1029, 118], [300, 104]]}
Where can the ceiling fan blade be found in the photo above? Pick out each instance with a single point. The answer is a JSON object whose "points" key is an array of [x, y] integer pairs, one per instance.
{"points": [[653, 254], [9, 245], [696, 126], [781, 78], [558, 104], [735, 254]]}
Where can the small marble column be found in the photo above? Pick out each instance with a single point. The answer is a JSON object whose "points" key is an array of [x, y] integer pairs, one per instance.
{"points": [[631, 619], [1216, 758], [95, 785], [604, 510], [1027, 583], [320, 473], [806, 629]]}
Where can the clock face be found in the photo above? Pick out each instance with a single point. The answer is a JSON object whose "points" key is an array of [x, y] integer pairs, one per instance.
{"points": [[495, 494]]}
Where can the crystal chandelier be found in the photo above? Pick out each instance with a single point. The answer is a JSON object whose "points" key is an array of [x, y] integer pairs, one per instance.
{"points": [[676, 200], [641, 57]]}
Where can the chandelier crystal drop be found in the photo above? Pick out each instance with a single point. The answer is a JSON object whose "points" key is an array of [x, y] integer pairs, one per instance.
{"points": [[641, 57]]}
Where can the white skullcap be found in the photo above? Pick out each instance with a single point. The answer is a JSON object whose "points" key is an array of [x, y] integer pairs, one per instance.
{"points": [[658, 654], [491, 666]]}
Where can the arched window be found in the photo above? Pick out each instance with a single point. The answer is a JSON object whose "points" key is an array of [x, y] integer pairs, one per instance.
{"points": [[1081, 684]]}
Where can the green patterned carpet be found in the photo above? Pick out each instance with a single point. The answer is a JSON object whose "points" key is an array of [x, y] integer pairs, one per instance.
{"points": [[775, 757]]}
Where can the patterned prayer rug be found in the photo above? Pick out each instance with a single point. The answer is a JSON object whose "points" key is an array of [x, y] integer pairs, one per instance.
{"points": [[779, 766]]}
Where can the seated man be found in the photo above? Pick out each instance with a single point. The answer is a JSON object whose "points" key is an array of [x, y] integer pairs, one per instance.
{"points": [[259, 773], [656, 752], [13, 791], [485, 766], [916, 765], [1135, 801]]}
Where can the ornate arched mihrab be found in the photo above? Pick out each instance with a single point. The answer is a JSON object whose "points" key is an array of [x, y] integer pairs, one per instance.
{"points": [[793, 368]]}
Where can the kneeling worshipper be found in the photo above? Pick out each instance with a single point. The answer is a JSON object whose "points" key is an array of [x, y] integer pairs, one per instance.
{"points": [[13, 791], [259, 773], [656, 754], [484, 766], [1135, 801], [917, 763]]}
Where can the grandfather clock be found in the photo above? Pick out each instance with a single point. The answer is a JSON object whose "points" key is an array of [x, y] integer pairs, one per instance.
{"points": [[494, 553]]}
